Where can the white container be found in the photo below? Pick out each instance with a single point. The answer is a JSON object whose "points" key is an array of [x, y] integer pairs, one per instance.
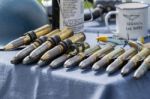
{"points": [[131, 20], [147, 2], [72, 14]]}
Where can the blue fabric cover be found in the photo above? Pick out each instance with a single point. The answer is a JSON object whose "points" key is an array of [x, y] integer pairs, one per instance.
{"points": [[18, 17], [31, 82]]}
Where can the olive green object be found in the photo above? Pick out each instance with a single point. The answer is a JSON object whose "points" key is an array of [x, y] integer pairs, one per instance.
{"points": [[28, 37], [75, 49], [60, 49], [108, 58], [96, 56], [142, 69], [74, 61], [133, 63]]}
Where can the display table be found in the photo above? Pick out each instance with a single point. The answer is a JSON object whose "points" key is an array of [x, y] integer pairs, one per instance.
{"points": [[32, 82]]}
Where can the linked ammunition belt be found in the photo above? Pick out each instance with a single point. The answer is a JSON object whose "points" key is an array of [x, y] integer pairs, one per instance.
{"points": [[32, 35], [54, 40], [42, 39], [75, 49], [66, 44]]}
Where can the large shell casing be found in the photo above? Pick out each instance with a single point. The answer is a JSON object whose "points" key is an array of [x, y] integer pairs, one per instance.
{"points": [[108, 58], [118, 63], [142, 69], [28, 37], [133, 63], [97, 55], [43, 30]]}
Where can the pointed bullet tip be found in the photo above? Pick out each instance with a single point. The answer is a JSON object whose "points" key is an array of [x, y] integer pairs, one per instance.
{"points": [[41, 63], [82, 65], [14, 61], [136, 77], [67, 64], [95, 67], [127, 68], [109, 71], [124, 73], [27, 60], [53, 65]]}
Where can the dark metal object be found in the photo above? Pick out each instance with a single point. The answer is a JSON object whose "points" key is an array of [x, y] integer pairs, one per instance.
{"points": [[55, 14]]}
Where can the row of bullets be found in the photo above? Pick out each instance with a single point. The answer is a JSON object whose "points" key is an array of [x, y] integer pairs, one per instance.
{"points": [[45, 44], [57, 48], [114, 59]]}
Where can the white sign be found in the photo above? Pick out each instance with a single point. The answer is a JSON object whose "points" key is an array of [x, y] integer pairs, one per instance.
{"points": [[72, 14]]}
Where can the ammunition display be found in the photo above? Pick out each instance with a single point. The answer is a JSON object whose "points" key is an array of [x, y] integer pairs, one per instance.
{"points": [[28, 37], [143, 68], [133, 63], [72, 52], [61, 48], [51, 42], [97, 55], [108, 58], [26, 51], [64, 48], [78, 58], [118, 63]]}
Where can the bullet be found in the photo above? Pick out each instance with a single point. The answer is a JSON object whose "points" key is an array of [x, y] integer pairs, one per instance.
{"points": [[26, 51], [60, 49], [36, 54], [97, 55], [108, 58], [28, 37], [133, 63], [74, 61], [72, 52], [118, 63], [142, 69]]}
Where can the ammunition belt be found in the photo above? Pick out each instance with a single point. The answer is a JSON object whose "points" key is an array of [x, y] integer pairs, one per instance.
{"points": [[75, 48], [66, 44], [32, 35], [41, 39], [54, 40]]}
